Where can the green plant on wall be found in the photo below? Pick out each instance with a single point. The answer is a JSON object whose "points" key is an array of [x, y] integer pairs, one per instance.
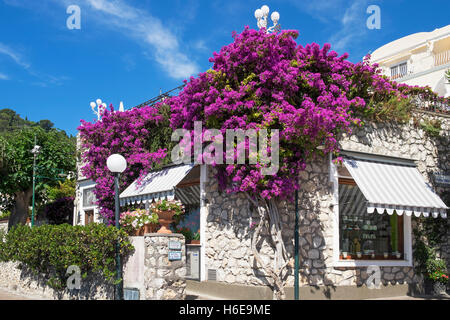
{"points": [[431, 127], [429, 235]]}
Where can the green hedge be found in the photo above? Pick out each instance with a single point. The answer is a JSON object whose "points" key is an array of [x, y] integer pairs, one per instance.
{"points": [[51, 249]]}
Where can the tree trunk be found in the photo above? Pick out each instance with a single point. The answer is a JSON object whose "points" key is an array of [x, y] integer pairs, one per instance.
{"points": [[268, 213], [19, 212]]}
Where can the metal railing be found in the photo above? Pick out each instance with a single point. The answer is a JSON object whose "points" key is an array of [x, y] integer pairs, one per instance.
{"points": [[158, 98]]}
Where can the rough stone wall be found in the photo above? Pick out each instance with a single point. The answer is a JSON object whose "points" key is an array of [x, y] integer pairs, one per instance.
{"points": [[164, 279], [16, 278], [228, 231]]}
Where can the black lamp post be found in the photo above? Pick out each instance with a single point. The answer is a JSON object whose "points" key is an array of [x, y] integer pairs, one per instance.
{"points": [[117, 164]]}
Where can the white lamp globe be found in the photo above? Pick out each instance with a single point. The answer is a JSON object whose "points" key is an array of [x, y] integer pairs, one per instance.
{"points": [[99, 101], [116, 163], [265, 10], [275, 16], [258, 13], [92, 104]]}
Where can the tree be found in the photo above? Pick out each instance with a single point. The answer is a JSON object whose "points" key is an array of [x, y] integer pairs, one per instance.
{"points": [[16, 165], [10, 121]]}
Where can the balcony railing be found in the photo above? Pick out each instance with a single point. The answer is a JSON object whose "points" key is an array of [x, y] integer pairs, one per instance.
{"points": [[441, 58], [433, 105]]}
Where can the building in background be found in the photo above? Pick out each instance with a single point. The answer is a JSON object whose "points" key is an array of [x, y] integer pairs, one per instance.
{"points": [[418, 59]]}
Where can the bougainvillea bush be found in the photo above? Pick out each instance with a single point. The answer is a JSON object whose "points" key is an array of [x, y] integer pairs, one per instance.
{"points": [[131, 134], [310, 93], [260, 81]]}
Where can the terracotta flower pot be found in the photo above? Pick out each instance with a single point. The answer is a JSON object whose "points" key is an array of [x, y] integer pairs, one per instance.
{"points": [[139, 232], [150, 228], [165, 219], [195, 241]]}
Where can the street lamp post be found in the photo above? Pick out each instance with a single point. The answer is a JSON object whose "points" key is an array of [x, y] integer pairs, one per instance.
{"points": [[261, 16], [35, 151], [117, 164]]}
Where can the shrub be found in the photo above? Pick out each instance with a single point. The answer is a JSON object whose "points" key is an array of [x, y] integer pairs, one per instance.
{"points": [[60, 211], [51, 249]]}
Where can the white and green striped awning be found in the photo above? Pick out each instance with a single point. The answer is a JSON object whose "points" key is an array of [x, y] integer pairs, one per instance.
{"points": [[156, 185], [389, 187]]}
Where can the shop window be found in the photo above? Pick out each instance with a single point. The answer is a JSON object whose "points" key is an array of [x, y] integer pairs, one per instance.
{"points": [[366, 236]]}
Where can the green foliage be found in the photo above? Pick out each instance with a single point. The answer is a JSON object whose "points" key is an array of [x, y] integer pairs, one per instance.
{"points": [[5, 214], [447, 75], [437, 270], [391, 109], [11, 121], [431, 127], [51, 249], [429, 235], [196, 236], [168, 205], [16, 169], [64, 189], [186, 232]]}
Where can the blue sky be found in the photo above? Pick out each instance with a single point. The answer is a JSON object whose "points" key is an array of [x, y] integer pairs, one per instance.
{"points": [[128, 50]]}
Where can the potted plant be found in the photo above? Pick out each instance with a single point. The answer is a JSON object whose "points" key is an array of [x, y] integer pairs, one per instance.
{"points": [[129, 222], [196, 238], [133, 222], [150, 221], [436, 272], [166, 209], [186, 232]]}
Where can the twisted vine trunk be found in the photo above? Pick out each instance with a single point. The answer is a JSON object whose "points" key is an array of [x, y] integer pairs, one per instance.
{"points": [[269, 216]]}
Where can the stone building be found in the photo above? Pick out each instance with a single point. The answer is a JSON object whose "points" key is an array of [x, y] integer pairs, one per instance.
{"points": [[345, 235], [329, 268]]}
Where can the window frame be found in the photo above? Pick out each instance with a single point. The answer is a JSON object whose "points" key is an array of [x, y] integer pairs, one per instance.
{"points": [[337, 262], [397, 66], [350, 181]]}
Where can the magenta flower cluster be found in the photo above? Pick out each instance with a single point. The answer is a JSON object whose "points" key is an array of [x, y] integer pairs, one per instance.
{"points": [[267, 81], [259, 81], [125, 133]]}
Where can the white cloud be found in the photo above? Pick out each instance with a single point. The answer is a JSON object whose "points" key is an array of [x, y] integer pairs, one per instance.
{"points": [[43, 79], [348, 19], [353, 26], [14, 55], [148, 31]]}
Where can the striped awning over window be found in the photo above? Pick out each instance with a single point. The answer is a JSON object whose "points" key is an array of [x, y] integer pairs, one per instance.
{"points": [[156, 185], [388, 187]]}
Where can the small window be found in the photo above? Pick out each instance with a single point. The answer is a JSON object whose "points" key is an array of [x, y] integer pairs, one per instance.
{"points": [[366, 236], [399, 70], [88, 197]]}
